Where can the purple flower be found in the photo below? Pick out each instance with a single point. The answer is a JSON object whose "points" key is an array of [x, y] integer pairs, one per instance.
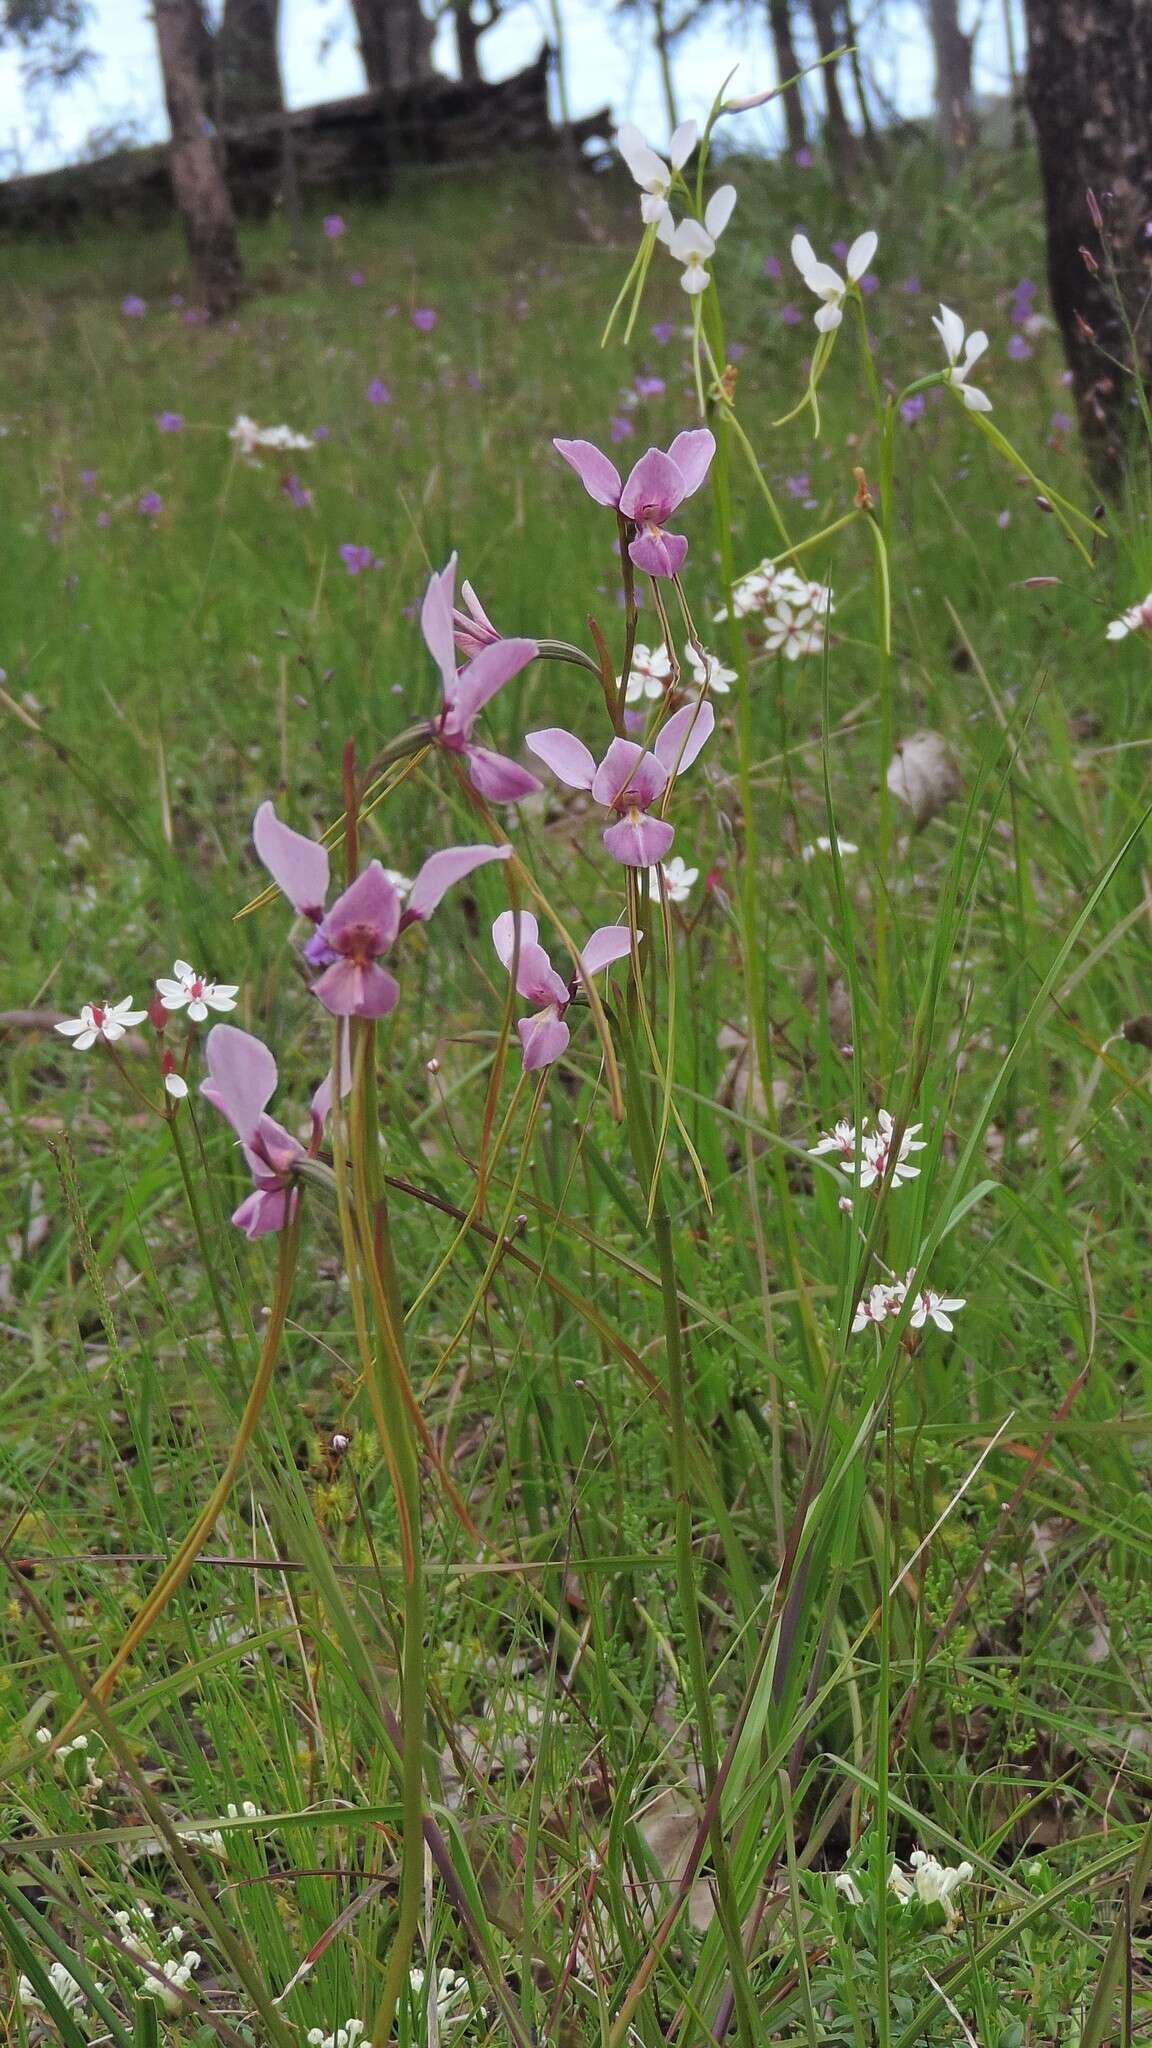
{"points": [[170, 422], [799, 486], [620, 428], [773, 269], [378, 392], [1003, 519], [365, 920], [791, 315], [1062, 422], [150, 504], [467, 690], [473, 380], [628, 780], [103, 519], [804, 159], [321, 433], [544, 1036], [914, 408], [133, 308], [335, 226], [658, 483], [356, 277], [196, 316], [88, 479], [297, 491], [472, 628], [911, 285], [869, 283], [736, 351], [649, 387], [355, 558], [840, 249], [1018, 348], [241, 1082], [424, 318], [662, 331]]}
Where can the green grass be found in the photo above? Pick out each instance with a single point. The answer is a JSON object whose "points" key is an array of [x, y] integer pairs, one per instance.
{"points": [[912, 1587]]}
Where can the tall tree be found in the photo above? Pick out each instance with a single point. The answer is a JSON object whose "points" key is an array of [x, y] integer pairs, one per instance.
{"points": [[196, 162], [246, 61], [395, 38], [469, 28], [788, 66], [953, 52], [1090, 96], [837, 128]]}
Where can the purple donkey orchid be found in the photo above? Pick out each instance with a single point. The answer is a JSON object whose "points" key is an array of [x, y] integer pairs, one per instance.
{"points": [[544, 1036], [466, 691], [657, 485], [241, 1082], [628, 780], [366, 920]]}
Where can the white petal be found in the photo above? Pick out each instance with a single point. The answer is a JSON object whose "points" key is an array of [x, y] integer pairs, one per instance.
{"points": [[86, 1039], [172, 996], [803, 255], [950, 328], [111, 1029], [71, 1027], [690, 239], [1118, 630], [219, 998], [976, 401], [183, 971], [718, 211], [861, 253], [974, 348], [828, 319], [695, 280], [197, 1010], [176, 1086], [666, 229], [682, 144], [653, 208]]}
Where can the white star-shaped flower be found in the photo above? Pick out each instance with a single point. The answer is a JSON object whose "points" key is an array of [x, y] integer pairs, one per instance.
{"points": [[708, 672], [791, 632], [648, 675], [936, 1308], [824, 845], [193, 992], [827, 283], [108, 1021], [679, 880], [963, 352], [878, 1164], [841, 1139], [1137, 619]]}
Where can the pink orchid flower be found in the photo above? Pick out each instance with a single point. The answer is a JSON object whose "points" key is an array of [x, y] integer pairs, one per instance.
{"points": [[628, 780], [472, 627], [657, 485], [366, 920], [467, 690], [544, 1036], [241, 1082]]}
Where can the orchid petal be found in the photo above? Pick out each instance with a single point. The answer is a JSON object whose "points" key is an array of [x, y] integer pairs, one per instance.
{"points": [[692, 452], [297, 865], [488, 672], [504, 934], [654, 488], [241, 1077], [639, 842], [502, 781], [690, 239], [611, 943], [600, 478], [682, 144], [348, 989], [544, 1039], [628, 778], [828, 319], [687, 731], [718, 211], [371, 902], [437, 623], [263, 1211], [803, 255], [567, 757], [950, 327], [659, 554], [861, 253], [442, 871]]}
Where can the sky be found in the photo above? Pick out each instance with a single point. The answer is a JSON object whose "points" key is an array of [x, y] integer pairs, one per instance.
{"points": [[609, 59]]}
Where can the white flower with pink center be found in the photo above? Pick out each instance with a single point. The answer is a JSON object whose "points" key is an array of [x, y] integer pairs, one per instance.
{"points": [[107, 1021], [193, 992]]}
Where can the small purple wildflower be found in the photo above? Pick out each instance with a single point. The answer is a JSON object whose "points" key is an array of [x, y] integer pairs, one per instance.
{"points": [[914, 408], [804, 159], [840, 249], [133, 308], [103, 519], [799, 486], [473, 380], [869, 283], [1062, 423], [196, 316], [299, 493], [150, 504], [736, 351], [378, 392], [790, 315], [912, 286], [170, 422], [356, 558], [88, 479], [620, 428], [321, 433], [773, 269], [1003, 519], [662, 331], [356, 277], [424, 318], [649, 387], [1019, 349], [334, 226]]}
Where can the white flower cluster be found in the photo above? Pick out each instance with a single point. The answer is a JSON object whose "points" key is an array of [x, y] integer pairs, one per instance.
{"points": [[63, 1983], [450, 1988], [887, 1298], [248, 436], [932, 1883], [78, 1747], [247, 1810], [792, 610], [169, 1966], [344, 2037], [691, 243], [1137, 619], [869, 1155], [651, 673]]}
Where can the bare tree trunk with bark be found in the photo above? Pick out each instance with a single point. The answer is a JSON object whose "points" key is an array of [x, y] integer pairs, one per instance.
{"points": [[395, 38], [1090, 96], [247, 61], [837, 128], [197, 168], [953, 50], [788, 66]]}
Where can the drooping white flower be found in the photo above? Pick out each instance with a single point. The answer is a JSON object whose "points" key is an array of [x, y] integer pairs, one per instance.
{"points": [[963, 352], [343, 2037], [824, 845], [108, 1021], [935, 1883], [848, 1888], [650, 171], [693, 243], [679, 880], [68, 1991], [1137, 619], [709, 673], [192, 991], [649, 674], [828, 285]]}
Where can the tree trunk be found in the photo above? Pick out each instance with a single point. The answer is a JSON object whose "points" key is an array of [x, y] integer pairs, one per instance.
{"points": [[248, 80], [197, 170], [872, 142], [953, 51], [837, 132], [395, 38], [788, 66], [1090, 96], [468, 32]]}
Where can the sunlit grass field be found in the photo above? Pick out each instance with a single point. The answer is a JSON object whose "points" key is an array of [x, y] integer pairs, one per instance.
{"points": [[921, 1575]]}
